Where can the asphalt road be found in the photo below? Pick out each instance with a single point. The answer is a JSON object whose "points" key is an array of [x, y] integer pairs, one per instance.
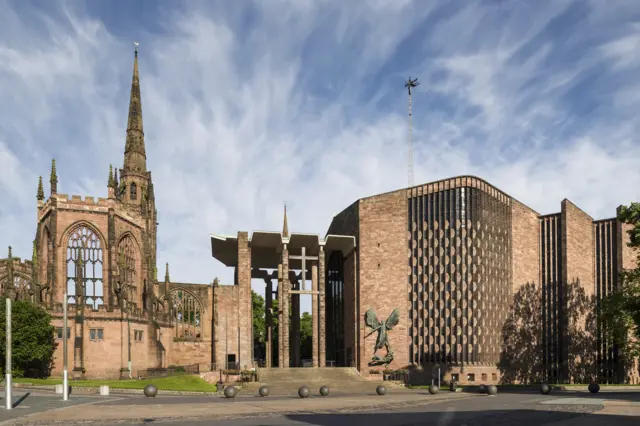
{"points": [[503, 410]]}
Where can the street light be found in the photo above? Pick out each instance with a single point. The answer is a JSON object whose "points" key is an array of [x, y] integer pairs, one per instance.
{"points": [[65, 330], [7, 368]]}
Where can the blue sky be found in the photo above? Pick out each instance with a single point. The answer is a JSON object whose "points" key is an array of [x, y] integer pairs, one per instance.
{"points": [[248, 104]]}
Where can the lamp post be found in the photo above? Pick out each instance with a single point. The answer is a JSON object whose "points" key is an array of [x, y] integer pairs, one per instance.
{"points": [[7, 368], [65, 330]]}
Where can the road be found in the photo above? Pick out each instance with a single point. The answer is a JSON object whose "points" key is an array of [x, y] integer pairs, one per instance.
{"points": [[526, 409]]}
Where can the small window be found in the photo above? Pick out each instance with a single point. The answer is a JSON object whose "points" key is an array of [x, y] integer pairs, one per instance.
{"points": [[59, 333], [494, 377], [484, 377], [471, 377], [96, 334], [137, 335], [454, 377], [133, 191]]}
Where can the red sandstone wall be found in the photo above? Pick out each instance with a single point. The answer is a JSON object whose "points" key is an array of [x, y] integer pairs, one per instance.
{"points": [[383, 271], [578, 256], [104, 359], [226, 323], [525, 245]]}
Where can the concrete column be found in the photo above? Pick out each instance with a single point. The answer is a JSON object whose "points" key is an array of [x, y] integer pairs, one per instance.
{"points": [[314, 315], [322, 344], [295, 328], [268, 297], [286, 286], [245, 314], [280, 318]]}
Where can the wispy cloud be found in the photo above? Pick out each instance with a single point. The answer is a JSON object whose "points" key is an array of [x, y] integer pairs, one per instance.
{"points": [[251, 104]]}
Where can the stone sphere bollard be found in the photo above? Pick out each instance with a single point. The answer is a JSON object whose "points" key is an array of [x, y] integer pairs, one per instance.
{"points": [[381, 390], [150, 391], [594, 388], [482, 389], [492, 390], [545, 389], [304, 392], [263, 391], [324, 390], [230, 392], [434, 389]]}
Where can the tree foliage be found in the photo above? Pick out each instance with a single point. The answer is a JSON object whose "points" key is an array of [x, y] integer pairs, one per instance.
{"points": [[32, 339], [621, 309], [522, 354]]}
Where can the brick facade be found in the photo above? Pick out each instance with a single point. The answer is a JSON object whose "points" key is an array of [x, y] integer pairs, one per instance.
{"points": [[550, 251]]}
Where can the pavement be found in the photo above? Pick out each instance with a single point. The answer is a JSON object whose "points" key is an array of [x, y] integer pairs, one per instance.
{"points": [[401, 408]]}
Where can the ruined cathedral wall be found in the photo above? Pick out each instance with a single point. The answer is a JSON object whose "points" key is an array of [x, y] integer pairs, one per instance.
{"points": [[226, 324], [105, 352], [70, 215], [128, 227], [194, 351]]}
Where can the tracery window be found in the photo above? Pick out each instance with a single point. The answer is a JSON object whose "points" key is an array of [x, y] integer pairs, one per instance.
{"points": [[133, 191], [187, 311], [23, 289], [84, 241], [127, 260]]}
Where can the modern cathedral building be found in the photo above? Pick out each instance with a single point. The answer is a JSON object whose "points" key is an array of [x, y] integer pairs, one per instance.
{"points": [[423, 278]]}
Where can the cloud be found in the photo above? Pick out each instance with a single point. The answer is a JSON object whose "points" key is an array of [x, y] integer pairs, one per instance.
{"points": [[248, 106]]}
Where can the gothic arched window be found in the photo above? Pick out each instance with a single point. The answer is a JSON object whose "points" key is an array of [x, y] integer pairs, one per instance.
{"points": [[187, 312], [46, 270], [22, 287], [127, 261], [84, 240], [133, 191]]}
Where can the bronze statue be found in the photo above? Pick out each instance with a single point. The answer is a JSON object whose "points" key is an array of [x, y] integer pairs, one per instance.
{"points": [[409, 84], [382, 327]]}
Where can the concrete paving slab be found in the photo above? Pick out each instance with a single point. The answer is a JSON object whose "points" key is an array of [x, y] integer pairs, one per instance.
{"points": [[575, 401]]}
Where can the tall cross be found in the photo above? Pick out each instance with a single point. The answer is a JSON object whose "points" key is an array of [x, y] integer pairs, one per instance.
{"points": [[303, 258]]}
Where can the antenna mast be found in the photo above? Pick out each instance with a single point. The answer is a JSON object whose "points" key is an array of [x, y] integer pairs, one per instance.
{"points": [[409, 84]]}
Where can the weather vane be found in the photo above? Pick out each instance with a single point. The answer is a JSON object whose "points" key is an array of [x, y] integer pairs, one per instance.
{"points": [[136, 44]]}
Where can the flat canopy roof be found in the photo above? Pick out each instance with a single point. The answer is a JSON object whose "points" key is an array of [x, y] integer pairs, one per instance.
{"points": [[266, 247]]}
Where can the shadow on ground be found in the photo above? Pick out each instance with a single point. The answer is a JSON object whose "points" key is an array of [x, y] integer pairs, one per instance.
{"points": [[467, 418]]}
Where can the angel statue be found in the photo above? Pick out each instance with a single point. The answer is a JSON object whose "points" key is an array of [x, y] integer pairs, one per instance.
{"points": [[382, 327]]}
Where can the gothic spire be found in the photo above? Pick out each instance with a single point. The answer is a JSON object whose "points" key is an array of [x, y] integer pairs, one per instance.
{"points": [[285, 225], [53, 179], [166, 274], [110, 180], [40, 195], [134, 152]]}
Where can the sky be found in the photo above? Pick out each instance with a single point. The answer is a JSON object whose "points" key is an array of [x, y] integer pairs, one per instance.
{"points": [[250, 104]]}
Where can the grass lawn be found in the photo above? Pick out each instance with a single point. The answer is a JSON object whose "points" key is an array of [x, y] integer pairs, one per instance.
{"points": [[185, 383]]}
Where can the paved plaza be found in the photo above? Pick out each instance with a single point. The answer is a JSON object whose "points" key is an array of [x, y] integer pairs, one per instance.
{"points": [[397, 408]]}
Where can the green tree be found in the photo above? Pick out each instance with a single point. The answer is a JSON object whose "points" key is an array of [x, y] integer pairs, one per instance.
{"points": [[259, 327], [620, 314], [32, 339], [306, 331]]}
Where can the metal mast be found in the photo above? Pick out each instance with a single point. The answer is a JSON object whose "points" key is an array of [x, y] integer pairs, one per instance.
{"points": [[409, 84]]}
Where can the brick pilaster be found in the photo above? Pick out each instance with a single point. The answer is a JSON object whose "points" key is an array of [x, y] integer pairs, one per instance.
{"points": [[268, 293], [286, 285], [280, 318], [321, 310], [245, 343], [314, 315]]}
